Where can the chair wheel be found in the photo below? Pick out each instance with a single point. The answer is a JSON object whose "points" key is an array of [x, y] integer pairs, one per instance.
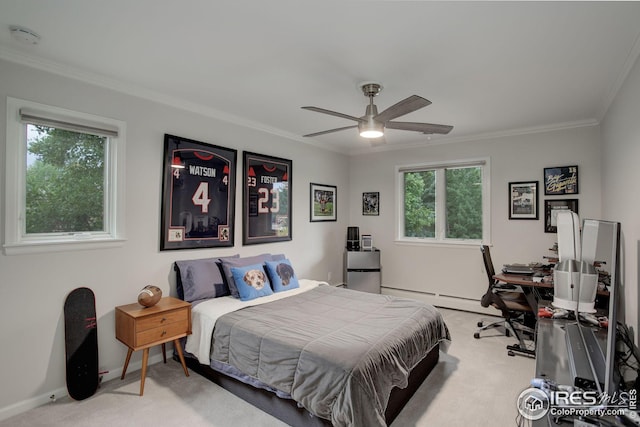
{"points": [[479, 324], [476, 335], [511, 353], [507, 333]]}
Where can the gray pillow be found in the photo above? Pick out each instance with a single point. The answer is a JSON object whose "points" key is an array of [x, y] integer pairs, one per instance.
{"points": [[202, 279], [278, 257], [229, 263]]}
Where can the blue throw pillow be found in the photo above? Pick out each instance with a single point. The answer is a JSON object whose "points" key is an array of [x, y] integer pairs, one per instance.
{"points": [[282, 275], [251, 281], [229, 263]]}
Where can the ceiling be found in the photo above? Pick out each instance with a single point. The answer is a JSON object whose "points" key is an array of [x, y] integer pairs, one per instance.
{"points": [[490, 68]]}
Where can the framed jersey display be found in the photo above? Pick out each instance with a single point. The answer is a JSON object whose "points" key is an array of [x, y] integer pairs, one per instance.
{"points": [[266, 199], [198, 195]]}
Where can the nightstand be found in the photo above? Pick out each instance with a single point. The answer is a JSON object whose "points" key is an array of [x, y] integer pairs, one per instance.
{"points": [[140, 328]]}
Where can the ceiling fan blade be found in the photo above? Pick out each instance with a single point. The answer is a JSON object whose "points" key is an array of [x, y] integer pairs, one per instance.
{"points": [[419, 127], [406, 106], [333, 113], [331, 130]]}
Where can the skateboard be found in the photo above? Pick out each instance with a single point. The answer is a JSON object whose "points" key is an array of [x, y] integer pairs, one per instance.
{"points": [[81, 343]]}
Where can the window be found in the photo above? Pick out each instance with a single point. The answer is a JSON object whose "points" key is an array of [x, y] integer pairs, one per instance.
{"points": [[444, 203], [64, 179]]}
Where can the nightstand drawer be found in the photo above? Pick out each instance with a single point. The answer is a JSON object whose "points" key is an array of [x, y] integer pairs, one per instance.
{"points": [[162, 333], [161, 319]]}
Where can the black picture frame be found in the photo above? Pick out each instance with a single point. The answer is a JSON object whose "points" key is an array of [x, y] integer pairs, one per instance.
{"points": [[323, 202], [560, 180], [551, 208], [198, 195], [371, 203], [523, 200], [266, 196]]}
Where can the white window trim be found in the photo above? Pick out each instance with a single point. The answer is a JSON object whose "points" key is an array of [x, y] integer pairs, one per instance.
{"points": [[485, 162], [16, 242]]}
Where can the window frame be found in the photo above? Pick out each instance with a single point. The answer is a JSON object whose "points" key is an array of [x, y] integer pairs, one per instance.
{"points": [[16, 241], [484, 163]]}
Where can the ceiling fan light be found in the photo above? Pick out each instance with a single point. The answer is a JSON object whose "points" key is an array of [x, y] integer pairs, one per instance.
{"points": [[371, 130], [371, 134]]}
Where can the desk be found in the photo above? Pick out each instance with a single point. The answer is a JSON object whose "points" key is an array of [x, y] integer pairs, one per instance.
{"points": [[530, 288]]}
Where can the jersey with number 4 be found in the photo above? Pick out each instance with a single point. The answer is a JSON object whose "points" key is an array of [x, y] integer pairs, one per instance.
{"points": [[199, 194]]}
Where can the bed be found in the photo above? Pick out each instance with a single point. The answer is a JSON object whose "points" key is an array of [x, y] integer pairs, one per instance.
{"points": [[309, 354]]}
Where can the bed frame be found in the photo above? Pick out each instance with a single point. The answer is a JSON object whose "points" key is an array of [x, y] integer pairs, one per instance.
{"points": [[288, 411]]}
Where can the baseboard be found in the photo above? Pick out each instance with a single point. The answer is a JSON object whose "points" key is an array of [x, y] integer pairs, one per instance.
{"points": [[444, 301], [52, 395]]}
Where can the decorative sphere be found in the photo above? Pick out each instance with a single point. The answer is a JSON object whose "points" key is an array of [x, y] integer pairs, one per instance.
{"points": [[149, 295]]}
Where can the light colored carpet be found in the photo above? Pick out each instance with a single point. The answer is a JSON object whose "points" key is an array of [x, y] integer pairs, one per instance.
{"points": [[475, 384]]}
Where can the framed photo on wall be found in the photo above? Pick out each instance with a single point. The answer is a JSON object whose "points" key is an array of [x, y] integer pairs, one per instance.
{"points": [[561, 180], [523, 200], [551, 209], [371, 203], [323, 202], [198, 195], [266, 201]]}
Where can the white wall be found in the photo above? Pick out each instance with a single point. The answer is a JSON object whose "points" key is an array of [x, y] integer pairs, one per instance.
{"points": [[33, 287], [621, 176], [457, 271]]}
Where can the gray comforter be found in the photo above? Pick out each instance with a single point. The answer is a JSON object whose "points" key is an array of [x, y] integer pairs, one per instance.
{"points": [[337, 352]]}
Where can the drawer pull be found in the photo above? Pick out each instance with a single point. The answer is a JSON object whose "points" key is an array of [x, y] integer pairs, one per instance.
{"points": [[164, 319], [163, 333]]}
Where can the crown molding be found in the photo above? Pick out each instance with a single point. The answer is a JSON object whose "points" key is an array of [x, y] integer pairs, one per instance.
{"points": [[483, 136], [140, 92], [632, 58], [150, 95]]}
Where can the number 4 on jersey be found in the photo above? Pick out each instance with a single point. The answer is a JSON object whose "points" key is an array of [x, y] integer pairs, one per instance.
{"points": [[201, 197]]}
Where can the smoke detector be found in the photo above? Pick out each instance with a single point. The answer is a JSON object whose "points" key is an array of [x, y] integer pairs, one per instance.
{"points": [[24, 35]]}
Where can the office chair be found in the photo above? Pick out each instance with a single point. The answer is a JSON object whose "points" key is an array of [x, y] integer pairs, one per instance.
{"points": [[513, 306]]}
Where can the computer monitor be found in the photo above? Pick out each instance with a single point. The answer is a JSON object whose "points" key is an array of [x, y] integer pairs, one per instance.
{"points": [[601, 245], [575, 288]]}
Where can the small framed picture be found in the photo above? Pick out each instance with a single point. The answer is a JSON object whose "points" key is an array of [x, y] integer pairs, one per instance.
{"points": [[551, 209], [561, 180], [523, 200], [371, 203], [323, 202]]}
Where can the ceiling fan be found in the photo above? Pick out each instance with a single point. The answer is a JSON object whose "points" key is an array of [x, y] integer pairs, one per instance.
{"points": [[372, 124]]}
